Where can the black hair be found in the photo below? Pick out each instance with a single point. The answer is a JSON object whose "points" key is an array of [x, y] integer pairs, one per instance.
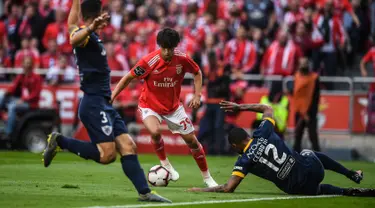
{"points": [[168, 38], [237, 135], [91, 9]]}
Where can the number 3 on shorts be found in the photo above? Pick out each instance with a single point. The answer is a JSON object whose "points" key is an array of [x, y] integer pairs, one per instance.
{"points": [[104, 119]]}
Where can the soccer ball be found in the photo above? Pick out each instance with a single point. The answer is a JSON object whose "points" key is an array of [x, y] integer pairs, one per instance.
{"points": [[158, 176]]}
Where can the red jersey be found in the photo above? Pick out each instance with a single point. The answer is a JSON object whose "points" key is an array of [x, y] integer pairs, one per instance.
{"points": [[31, 86], [48, 60], [162, 86]]}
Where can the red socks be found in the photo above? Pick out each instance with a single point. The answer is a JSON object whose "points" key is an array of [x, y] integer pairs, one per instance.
{"points": [[159, 149], [200, 158]]}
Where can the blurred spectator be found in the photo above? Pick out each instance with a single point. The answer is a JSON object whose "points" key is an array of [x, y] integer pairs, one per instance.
{"points": [[225, 7], [236, 19], [186, 43], [210, 47], [192, 31], [173, 17], [116, 61], [260, 47], [334, 36], [58, 31], [261, 14], [127, 102], [61, 73], [49, 58], [222, 33], [143, 21], [339, 6], [211, 126], [240, 53], [31, 24], [29, 86], [3, 35], [369, 57], [358, 35], [12, 24], [140, 47], [25, 51], [307, 40], [65, 5], [306, 96], [281, 57], [295, 12], [116, 8], [280, 104], [5, 59]]}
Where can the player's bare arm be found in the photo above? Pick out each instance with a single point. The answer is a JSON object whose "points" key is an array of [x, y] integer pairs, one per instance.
{"points": [[196, 101], [78, 38], [124, 82], [259, 108], [229, 187]]}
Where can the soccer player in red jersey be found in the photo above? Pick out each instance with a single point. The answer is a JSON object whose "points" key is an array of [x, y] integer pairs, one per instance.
{"points": [[163, 72]]}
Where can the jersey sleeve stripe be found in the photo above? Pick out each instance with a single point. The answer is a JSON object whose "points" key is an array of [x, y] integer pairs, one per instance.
{"points": [[238, 173], [271, 120], [153, 60], [248, 145], [84, 43]]}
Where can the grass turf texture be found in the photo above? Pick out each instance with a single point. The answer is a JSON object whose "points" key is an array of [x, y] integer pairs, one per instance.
{"points": [[73, 182]]}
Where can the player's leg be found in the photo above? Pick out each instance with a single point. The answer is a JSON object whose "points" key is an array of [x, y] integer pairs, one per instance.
{"points": [[299, 130], [152, 121], [327, 189], [101, 148], [127, 148], [179, 123], [330, 164], [312, 126]]}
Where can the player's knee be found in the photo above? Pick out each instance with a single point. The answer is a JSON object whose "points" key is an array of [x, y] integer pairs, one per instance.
{"points": [[108, 157], [155, 134], [191, 140], [126, 145], [107, 152]]}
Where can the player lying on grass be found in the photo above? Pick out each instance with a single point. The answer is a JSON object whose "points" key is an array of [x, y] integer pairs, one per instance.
{"points": [[163, 72], [267, 156], [105, 127]]}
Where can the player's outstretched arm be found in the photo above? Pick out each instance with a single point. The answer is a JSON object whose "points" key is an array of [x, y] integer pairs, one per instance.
{"points": [[259, 108], [124, 82], [229, 187], [198, 80], [80, 37]]}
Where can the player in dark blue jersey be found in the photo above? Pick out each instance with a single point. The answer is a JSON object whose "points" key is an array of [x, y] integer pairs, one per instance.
{"points": [[105, 127], [267, 156]]}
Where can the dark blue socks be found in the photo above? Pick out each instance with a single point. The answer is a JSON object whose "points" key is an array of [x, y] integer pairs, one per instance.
{"points": [[134, 172], [86, 150], [326, 189], [331, 164]]}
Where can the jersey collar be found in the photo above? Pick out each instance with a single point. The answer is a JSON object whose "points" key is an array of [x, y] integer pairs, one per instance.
{"points": [[248, 145]]}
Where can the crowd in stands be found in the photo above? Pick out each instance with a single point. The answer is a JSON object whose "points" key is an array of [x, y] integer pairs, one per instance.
{"points": [[242, 36]]}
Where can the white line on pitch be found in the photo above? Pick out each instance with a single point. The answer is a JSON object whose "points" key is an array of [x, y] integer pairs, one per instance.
{"points": [[214, 202]]}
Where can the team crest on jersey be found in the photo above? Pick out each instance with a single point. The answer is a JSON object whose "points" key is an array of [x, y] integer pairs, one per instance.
{"points": [[178, 69], [107, 130]]}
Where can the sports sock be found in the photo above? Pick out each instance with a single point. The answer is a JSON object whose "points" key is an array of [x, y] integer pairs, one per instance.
{"points": [[133, 170], [200, 159], [160, 151], [326, 189], [86, 150], [331, 164]]}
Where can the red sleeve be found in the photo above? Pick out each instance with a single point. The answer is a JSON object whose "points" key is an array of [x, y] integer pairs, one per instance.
{"points": [[46, 36], [189, 65], [16, 84], [251, 60], [35, 93], [347, 6], [141, 70], [368, 56], [266, 55]]}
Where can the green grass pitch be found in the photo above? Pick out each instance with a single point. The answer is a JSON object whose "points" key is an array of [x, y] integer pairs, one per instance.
{"points": [[73, 182]]}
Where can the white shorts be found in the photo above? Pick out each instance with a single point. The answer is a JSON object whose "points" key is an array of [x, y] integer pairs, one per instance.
{"points": [[178, 121]]}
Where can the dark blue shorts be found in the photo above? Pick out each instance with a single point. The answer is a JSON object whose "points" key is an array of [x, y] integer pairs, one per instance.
{"points": [[101, 120], [313, 171]]}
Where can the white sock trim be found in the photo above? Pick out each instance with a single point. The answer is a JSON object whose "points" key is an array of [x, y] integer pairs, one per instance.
{"points": [[206, 174]]}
